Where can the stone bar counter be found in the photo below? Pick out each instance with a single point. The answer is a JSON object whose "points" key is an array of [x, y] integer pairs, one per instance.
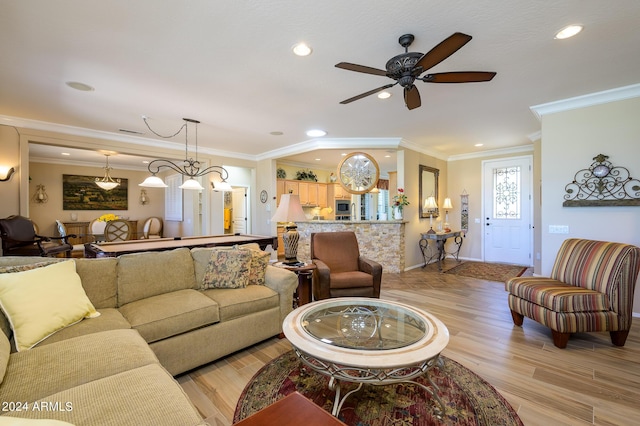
{"points": [[379, 240]]}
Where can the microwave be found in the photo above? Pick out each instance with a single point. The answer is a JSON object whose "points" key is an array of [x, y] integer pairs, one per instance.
{"points": [[343, 207]]}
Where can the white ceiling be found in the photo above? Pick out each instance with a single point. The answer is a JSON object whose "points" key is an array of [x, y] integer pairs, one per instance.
{"points": [[229, 64]]}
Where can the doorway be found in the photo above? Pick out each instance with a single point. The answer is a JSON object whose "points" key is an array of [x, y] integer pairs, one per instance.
{"points": [[508, 211], [236, 219]]}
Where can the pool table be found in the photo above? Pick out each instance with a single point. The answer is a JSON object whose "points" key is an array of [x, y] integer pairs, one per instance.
{"points": [[114, 249]]}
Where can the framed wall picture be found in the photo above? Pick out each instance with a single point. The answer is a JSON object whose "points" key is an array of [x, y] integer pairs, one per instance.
{"points": [[82, 193]]}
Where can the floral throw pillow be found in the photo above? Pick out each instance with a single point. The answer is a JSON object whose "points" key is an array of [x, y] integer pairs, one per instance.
{"points": [[227, 269], [259, 262]]}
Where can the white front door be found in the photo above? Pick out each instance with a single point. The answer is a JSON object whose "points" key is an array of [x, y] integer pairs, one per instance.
{"points": [[507, 219], [239, 211]]}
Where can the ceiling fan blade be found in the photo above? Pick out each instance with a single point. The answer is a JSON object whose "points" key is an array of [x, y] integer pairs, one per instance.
{"points": [[459, 77], [361, 68], [365, 94], [442, 51], [412, 97]]}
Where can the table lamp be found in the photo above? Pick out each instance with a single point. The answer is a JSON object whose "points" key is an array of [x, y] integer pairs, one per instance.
{"points": [[430, 205], [447, 206], [290, 210]]}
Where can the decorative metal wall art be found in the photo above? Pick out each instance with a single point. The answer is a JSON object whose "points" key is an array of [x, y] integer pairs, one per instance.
{"points": [[602, 184], [464, 211]]}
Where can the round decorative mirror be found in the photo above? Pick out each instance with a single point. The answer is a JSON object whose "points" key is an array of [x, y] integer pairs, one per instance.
{"points": [[358, 173]]}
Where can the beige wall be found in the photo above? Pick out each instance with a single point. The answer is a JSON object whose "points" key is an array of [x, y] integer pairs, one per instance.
{"points": [[10, 157], [50, 175], [570, 140]]}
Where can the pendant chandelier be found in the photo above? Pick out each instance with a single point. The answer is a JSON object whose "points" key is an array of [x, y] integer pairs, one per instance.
{"points": [[190, 168], [107, 183]]}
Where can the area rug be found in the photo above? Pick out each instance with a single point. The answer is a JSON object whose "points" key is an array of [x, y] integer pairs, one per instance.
{"points": [[487, 271], [468, 399]]}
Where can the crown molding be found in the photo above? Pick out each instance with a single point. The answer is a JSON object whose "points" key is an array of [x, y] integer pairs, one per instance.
{"points": [[414, 147], [331, 143], [493, 152], [597, 98], [110, 136]]}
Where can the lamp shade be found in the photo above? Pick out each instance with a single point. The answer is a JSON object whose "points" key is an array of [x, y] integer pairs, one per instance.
{"points": [[289, 209], [447, 204], [221, 186], [191, 184], [430, 203], [153, 182]]}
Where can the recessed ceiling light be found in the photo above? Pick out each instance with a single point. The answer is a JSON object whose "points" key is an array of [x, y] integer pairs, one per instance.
{"points": [[301, 49], [145, 161], [387, 156], [318, 159], [316, 133], [65, 153], [343, 154], [479, 144], [276, 133], [79, 86], [568, 31], [384, 95]]}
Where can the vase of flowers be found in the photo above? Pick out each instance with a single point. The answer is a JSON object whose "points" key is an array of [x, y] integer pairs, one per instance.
{"points": [[399, 201], [108, 217]]}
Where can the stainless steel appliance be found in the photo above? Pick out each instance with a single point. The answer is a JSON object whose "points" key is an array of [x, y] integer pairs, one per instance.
{"points": [[343, 210]]}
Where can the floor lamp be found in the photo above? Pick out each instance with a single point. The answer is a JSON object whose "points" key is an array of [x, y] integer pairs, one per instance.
{"points": [[290, 210]]}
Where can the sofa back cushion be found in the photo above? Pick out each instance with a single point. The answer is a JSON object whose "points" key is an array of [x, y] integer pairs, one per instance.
{"points": [[100, 280], [594, 265], [142, 275]]}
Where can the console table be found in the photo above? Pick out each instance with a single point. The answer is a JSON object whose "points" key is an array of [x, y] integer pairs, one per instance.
{"points": [[429, 252]]}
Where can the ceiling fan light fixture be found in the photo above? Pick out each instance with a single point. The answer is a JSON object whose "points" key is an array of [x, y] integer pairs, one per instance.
{"points": [[301, 49], [568, 31]]}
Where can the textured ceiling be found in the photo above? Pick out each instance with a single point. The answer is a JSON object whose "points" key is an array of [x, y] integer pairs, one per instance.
{"points": [[229, 64]]}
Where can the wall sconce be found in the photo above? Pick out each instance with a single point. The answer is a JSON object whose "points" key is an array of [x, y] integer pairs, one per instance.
{"points": [[144, 198], [6, 173], [40, 196]]}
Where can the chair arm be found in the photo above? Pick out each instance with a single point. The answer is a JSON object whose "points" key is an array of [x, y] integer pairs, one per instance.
{"points": [[321, 280], [374, 269]]}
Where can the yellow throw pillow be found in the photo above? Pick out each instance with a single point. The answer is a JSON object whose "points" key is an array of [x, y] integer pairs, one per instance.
{"points": [[42, 301]]}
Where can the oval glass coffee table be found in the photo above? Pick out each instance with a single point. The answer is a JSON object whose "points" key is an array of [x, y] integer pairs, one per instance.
{"points": [[364, 340]]}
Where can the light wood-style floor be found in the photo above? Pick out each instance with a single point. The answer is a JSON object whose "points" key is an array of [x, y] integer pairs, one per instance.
{"points": [[589, 382]]}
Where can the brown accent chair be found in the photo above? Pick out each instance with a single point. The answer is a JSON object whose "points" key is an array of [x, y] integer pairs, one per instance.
{"points": [[590, 289], [340, 270], [19, 238]]}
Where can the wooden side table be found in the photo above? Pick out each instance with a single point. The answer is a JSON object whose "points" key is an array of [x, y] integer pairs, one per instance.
{"points": [[292, 410], [305, 282]]}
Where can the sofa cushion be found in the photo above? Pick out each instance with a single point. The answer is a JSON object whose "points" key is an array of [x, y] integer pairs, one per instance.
{"points": [[109, 319], [100, 280], [146, 395], [259, 263], [142, 275], [169, 314], [45, 370], [557, 296], [13, 421], [234, 303], [42, 301], [227, 269]]}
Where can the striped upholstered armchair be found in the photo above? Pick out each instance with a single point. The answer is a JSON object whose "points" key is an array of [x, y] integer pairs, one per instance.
{"points": [[590, 289]]}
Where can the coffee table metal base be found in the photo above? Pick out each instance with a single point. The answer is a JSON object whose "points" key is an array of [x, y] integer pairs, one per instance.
{"points": [[372, 376]]}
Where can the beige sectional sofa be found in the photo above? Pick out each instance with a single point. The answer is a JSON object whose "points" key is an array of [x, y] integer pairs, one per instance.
{"points": [[155, 322]]}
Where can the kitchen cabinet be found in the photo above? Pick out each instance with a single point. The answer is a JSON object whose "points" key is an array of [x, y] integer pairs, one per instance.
{"points": [[322, 195], [340, 193], [311, 194], [279, 190]]}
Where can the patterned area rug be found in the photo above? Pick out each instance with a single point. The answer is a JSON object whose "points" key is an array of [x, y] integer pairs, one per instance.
{"points": [[487, 271], [469, 400]]}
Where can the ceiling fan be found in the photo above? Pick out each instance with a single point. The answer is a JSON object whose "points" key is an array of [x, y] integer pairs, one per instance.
{"points": [[408, 66]]}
